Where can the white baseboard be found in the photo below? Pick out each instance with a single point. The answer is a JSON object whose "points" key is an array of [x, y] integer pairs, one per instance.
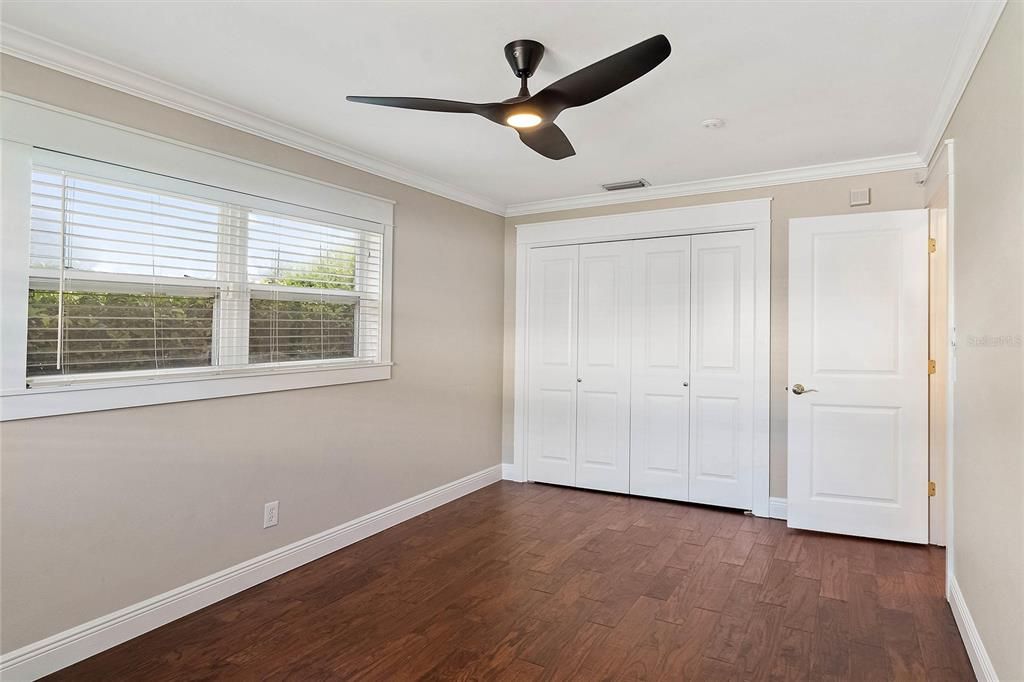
{"points": [[777, 508], [980, 661], [61, 650], [511, 472]]}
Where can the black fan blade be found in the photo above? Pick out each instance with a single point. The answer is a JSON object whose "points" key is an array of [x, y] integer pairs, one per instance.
{"points": [[490, 111], [602, 78], [547, 140]]}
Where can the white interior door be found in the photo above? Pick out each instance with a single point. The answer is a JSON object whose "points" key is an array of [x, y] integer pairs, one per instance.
{"points": [[660, 400], [722, 369], [602, 442], [858, 345], [551, 364]]}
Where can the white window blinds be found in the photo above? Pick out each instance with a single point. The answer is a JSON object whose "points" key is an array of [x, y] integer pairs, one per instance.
{"points": [[126, 278]]}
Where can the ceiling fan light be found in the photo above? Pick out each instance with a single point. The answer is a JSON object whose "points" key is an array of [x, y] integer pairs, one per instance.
{"points": [[523, 119]]}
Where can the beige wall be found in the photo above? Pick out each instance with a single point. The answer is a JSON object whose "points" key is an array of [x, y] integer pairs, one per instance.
{"points": [[102, 510], [989, 391], [889, 191]]}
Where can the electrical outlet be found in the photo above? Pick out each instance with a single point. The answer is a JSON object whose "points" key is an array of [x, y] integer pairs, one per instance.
{"points": [[270, 514]]}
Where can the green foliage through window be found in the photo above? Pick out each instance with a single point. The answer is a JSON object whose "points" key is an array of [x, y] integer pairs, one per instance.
{"points": [[336, 270], [290, 330], [114, 332]]}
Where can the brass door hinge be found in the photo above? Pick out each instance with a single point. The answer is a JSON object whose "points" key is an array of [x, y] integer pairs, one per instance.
{"points": [[931, 488], [931, 367], [931, 246]]}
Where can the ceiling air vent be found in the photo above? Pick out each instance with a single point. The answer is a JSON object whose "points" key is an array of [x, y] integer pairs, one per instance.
{"points": [[626, 184]]}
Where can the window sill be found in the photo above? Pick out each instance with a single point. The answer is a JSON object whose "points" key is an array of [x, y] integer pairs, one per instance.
{"points": [[94, 397]]}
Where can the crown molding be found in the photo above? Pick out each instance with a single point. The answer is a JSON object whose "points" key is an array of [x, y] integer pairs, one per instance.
{"points": [[878, 164], [982, 18], [977, 29], [39, 50]]}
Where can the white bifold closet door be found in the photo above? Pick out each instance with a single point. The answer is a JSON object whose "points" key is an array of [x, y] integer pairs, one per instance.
{"points": [[640, 367], [578, 356], [602, 440], [552, 360], [722, 369], [660, 400]]}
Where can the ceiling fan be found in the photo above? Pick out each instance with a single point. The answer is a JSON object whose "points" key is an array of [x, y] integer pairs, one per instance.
{"points": [[533, 116]]}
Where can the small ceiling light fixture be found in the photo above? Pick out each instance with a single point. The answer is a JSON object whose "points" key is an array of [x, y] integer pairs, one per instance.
{"points": [[523, 119], [713, 123]]}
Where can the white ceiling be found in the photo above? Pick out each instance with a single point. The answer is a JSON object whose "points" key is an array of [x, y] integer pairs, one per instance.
{"points": [[798, 84]]}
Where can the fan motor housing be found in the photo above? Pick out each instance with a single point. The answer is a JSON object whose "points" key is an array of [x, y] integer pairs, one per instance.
{"points": [[524, 56]]}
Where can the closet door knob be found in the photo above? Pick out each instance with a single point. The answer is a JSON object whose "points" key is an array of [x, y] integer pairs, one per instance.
{"points": [[686, 383], [578, 380]]}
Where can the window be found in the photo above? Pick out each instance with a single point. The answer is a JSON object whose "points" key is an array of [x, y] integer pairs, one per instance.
{"points": [[202, 276], [130, 281]]}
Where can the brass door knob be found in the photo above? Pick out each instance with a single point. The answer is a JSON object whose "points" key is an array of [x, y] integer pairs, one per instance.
{"points": [[798, 389]]}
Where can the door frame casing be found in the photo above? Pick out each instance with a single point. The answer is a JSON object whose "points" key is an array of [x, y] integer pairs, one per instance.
{"points": [[754, 215], [941, 175]]}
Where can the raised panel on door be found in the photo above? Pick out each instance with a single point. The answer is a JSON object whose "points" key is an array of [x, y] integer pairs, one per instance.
{"points": [[721, 456], [858, 345], [602, 443], [659, 405], [552, 362]]}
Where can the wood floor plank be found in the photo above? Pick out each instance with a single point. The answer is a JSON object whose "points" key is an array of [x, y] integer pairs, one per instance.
{"points": [[802, 605], [730, 525], [665, 583], [792, 660], [715, 593], [705, 582], [778, 583], [864, 610], [685, 556], [762, 639], [605, 660], [892, 591], [687, 643], [868, 663], [628, 589], [756, 566], [519, 671], [835, 575], [903, 652], [830, 657], [790, 546], [713, 670], [808, 565], [860, 555], [936, 629], [732, 626], [740, 547], [531, 582], [771, 534], [659, 557], [569, 664]]}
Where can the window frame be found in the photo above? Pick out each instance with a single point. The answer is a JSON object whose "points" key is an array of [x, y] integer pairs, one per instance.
{"points": [[32, 130]]}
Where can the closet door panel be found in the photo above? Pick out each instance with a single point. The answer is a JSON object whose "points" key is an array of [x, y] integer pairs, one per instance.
{"points": [[722, 369], [602, 444], [659, 424], [552, 311]]}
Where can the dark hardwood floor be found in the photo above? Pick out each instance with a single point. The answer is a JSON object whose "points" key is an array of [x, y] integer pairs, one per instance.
{"points": [[526, 582]]}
